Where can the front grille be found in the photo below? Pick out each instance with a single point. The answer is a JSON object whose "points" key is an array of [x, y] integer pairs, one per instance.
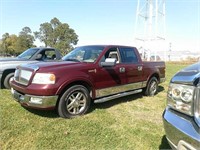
{"points": [[197, 105], [22, 76]]}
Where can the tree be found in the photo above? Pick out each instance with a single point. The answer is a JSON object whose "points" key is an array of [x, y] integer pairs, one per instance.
{"points": [[8, 43], [58, 35], [13, 44], [4, 42], [25, 40]]}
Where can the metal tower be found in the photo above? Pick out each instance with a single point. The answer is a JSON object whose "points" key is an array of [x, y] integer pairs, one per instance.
{"points": [[150, 26]]}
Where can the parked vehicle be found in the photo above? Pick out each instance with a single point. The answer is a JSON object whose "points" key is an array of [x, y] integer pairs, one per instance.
{"points": [[88, 73], [32, 55], [182, 115]]}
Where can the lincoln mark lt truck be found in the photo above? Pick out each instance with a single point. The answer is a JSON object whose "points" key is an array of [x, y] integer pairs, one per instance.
{"points": [[87, 74], [182, 115]]}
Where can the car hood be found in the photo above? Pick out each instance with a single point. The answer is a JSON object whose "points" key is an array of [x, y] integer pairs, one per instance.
{"points": [[50, 66], [11, 63], [9, 59], [189, 75]]}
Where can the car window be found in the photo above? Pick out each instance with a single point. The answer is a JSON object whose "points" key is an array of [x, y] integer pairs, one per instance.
{"points": [[111, 53], [28, 53], [48, 54], [128, 55], [84, 54]]}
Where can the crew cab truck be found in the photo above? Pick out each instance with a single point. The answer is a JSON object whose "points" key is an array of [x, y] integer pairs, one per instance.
{"points": [[182, 115], [94, 73], [8, 65]]}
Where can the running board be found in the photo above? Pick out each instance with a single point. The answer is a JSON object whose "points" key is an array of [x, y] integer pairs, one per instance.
{"points": [[105, 99]]}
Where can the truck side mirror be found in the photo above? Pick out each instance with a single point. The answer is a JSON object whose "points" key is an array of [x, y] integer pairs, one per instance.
{"points": [[109, 62]]}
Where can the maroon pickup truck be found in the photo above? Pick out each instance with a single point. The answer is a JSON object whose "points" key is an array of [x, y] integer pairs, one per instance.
{"points": [[87, 74]]}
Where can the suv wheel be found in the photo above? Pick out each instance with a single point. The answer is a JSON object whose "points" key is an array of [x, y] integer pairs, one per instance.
{"points": [[152, 87], [74, 102], [7, 79]]}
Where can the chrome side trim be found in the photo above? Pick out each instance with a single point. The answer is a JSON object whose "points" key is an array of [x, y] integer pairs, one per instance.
{"points": [[173, 146], [104, 99], [120, 89], [184, 145]]}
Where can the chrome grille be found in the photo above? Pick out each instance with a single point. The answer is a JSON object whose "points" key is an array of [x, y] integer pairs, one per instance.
{"points": [[22, 76], [197, 105]]}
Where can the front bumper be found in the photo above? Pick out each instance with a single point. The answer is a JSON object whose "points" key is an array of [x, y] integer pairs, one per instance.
{"points": [[181, 131], [38, 102]]}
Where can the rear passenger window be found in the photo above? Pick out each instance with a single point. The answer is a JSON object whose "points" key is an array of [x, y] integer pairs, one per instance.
{"points": [[128, 55]]}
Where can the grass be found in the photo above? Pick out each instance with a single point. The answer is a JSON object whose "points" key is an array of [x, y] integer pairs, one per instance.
{"points": [[132, 122]]}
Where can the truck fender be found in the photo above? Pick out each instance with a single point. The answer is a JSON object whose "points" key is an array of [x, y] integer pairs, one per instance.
{"points": [[77, 81]]}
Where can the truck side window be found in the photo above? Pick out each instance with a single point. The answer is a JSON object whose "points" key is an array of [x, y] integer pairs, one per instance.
{"points": [[128, 55], [49, 55], [111, 53]]}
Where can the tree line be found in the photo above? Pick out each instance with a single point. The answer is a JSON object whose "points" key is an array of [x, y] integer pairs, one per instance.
{"points": [[53, 34]]}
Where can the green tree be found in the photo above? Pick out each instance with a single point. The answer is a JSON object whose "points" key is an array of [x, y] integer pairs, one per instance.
{"points": [[13, 44], [58, 35], [9, 43], [25, 40]]}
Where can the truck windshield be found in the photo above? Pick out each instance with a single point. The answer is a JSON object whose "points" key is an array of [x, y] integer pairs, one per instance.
{"points": [[84, 54], [28, 53]]}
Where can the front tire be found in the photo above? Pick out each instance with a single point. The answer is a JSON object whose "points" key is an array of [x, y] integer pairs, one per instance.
{"points": [[7, 79], [74, 102], [152, 87]]}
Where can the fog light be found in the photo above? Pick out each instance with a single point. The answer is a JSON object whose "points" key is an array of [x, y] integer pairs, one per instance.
{"points": [[36, 100]]}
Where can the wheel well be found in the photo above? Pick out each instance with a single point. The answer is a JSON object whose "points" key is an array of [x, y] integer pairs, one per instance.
{"points": [[155, 75], [5, 73], [83, 83]]}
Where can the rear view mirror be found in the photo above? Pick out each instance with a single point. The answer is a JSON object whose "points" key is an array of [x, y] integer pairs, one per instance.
{"points": [[109, 62]]}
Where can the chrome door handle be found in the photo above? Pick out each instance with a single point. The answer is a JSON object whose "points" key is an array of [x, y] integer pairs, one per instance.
{"points": [[122, 69], [140, 68]]}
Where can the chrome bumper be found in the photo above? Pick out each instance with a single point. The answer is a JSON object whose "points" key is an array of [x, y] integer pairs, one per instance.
{"points": [[40, 102], [181, 131]]}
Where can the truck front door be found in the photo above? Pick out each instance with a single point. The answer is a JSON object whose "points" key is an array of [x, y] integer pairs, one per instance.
{"points": [[110, 79]]}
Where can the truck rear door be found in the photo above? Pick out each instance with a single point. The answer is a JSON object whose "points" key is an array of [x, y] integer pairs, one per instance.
{"points": [[132, 66]]}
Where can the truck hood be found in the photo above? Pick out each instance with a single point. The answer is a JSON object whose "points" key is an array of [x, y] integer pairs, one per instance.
{"points": [[10, 59], [50, 66], [189, 75], [11, 63]]}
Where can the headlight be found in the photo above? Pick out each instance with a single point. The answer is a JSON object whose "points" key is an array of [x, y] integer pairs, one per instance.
{"points": [[180, 97], [44, 78]]}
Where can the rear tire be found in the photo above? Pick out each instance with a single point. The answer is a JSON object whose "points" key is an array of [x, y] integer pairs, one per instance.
{"points": [[7, 79], [152, 87], [74, 102]]}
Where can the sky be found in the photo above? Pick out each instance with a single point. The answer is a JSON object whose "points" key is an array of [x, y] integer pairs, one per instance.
{"points": [[103, 21]]}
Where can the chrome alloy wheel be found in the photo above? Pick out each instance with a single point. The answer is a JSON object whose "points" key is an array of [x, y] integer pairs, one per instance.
{"points": [[153, 87], [76, 103]]}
